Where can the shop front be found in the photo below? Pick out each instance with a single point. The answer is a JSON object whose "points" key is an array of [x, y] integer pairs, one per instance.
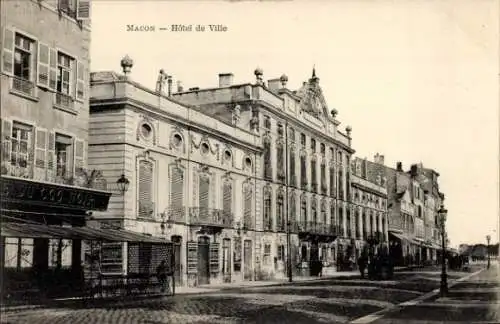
{"points": [[48, 249]]}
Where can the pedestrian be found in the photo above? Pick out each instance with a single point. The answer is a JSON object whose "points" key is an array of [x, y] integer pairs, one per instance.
{"points": [[161, 274], [320, 265], [362, 264]]}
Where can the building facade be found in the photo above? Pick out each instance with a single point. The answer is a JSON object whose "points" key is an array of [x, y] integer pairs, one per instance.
{"points": [[229, 174], [44, 130], [304, 181], [369, 200]]}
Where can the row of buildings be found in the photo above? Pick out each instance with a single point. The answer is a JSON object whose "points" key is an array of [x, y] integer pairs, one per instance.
{"points": [[241, 178]]}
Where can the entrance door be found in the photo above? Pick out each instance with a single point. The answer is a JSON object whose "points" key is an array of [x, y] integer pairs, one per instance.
{"points": [[177, 240], [247, 257], [313, 259], [226, 260], [203, 260]]}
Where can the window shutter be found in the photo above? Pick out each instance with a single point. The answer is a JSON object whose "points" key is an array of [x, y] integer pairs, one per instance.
{"points": [[51, 156], [43, 65], [203, 193], [145, 188], [83, 9], [247, 213], [80, 81], [79, 159], [53, 69], [214, 257], [8, 51], [177, 194], [227, 195], [6, 145], [40, 153]]}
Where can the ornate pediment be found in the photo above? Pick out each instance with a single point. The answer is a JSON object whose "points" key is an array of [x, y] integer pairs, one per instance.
{"points": [[312, 100]]}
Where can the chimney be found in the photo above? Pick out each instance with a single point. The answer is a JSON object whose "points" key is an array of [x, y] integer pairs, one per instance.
{"points": [[378, 158], [274, 84], [413, 170], [169, 85], [399, 167], [225, 80], [180, 88]]}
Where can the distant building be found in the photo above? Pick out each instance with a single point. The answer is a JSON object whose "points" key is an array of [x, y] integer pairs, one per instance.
{"points": [[369, 200]]}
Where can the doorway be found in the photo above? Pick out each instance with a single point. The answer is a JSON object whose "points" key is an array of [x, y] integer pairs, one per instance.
{"points": [[226, 260], [247, 257], [177, 240], [203, 260], [313, 259]]}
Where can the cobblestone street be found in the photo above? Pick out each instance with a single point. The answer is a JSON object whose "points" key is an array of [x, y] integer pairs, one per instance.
{"points": [[324, 301]]}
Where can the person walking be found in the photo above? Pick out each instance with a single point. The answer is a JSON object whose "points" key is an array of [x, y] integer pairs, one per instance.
{"points": [[161, 274], [362, 260]]}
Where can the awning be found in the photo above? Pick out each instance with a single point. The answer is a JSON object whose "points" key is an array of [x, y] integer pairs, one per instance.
{"points": [[403, 237], [27, 230]]}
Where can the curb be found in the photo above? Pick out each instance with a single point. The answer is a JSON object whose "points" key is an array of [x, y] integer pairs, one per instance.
{"points": [[425, 297]]}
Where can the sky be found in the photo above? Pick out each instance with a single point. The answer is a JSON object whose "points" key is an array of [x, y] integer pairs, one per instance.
{"points": [[416, 80]]}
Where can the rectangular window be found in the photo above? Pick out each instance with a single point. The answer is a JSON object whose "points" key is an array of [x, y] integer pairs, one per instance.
{"points": [[21, 155], [267, 213], [68, 7], [24, 54], [280, 221], [303, 140], [64, 154], [18, 253], [145, 188], [303, 172], [247, 194], [177, 211], [293, 176], [281, 252], [267, 254], [65, 81]]}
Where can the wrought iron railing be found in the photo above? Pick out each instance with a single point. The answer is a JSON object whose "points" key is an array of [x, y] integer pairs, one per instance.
{"points": [[210, 217], [24, 86], [146, 209], [65, 101], [83, 178], [176, 214], [314, 228]]}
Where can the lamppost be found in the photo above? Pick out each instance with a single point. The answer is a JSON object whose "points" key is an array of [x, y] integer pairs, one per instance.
{"points": [[488, 238], [442, 212]]}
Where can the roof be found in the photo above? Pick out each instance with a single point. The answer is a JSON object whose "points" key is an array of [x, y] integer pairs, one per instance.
{"points": [[26, 230]]}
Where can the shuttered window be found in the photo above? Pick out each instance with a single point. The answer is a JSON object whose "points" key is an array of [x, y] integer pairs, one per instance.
{"points": [[83, 10], [247, 207], [267, 211], [176, 187], [227, 198], [6, 145], [40, 153], [145, 189], [268, 173], [303, 172], [204, 187], [293, 177]]}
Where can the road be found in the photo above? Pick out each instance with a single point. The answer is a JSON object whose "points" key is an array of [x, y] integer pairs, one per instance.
{"points": [[338, 300]]}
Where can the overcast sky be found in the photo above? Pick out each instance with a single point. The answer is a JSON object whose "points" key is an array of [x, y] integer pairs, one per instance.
{"points": [[417, 81]]}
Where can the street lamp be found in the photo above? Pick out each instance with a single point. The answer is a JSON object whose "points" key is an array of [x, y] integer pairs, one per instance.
{"points": [[488, 238], [123, 184], [442, 212]]}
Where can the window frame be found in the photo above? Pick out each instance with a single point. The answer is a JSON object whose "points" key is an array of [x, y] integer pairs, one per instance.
{"points": [[71, 70]]}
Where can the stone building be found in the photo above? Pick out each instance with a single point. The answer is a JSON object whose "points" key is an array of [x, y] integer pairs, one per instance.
{"points": [[44, 129], [369, 202], [302, 177]]}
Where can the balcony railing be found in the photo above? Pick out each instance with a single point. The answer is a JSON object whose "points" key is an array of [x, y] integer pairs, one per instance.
{"points": [[146, 209], [83, 178], [176, 214], [65, 101], [314, 228], [23, 86], [210, 217]]}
